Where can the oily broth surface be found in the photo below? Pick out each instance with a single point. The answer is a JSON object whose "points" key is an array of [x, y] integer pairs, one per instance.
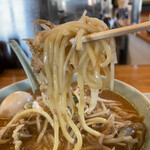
{"points": [[106, 94], [109, 95]]}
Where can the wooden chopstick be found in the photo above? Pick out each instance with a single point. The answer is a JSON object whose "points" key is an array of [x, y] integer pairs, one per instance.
{"points": [[116, 32]]}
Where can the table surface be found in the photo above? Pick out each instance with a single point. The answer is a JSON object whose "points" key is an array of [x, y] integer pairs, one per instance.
{"points": [[137, 76]]}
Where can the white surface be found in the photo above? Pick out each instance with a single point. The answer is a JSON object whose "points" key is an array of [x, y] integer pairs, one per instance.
{"points": [[138, 51]]}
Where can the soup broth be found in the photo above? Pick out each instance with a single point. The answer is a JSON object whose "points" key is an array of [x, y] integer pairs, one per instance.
{"points": [[124, 121]]}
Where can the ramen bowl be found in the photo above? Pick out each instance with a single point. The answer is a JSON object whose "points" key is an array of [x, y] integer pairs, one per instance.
{"points": [[134, 96]]}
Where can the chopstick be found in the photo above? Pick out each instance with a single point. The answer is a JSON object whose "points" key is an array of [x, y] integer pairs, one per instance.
{"points": [[116, 32]]}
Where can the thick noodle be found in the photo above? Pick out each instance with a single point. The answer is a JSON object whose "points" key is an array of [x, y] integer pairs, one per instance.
{"points": [[55, 61], [62, 59]]}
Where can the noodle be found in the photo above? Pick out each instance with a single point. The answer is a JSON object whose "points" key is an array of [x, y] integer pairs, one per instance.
{"points": [[17, 142], [42, 132], [38, 123], [55, 60]]}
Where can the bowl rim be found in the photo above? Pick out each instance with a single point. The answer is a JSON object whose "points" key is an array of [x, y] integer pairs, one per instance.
{"points": [[138, 91], [115, 80]]}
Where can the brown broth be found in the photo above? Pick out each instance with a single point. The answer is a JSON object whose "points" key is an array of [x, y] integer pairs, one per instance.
{"points": [[110, 95], [106, 94], [136, 118]]}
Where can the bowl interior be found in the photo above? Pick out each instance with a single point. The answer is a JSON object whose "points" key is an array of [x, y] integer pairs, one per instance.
{"points": [[139, 100]]}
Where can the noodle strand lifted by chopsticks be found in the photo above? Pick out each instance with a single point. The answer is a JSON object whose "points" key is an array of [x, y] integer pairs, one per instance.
{"points": [[59, 61], [62, 60]]}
